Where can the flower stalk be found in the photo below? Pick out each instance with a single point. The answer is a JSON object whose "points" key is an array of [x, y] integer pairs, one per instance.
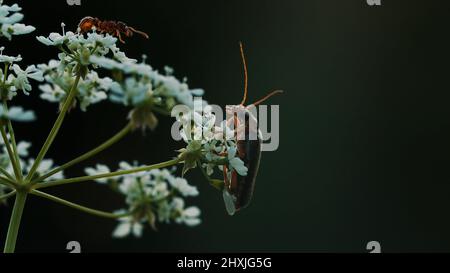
{"points": [[121, 134], [13, 141], [11, 154], [106, 175], [14, 224], [79, 207], [7, 195], [55, 129]]}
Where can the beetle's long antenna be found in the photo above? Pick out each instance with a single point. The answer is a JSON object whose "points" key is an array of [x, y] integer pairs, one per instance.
{"points": [[245, 74], [266, 97]]}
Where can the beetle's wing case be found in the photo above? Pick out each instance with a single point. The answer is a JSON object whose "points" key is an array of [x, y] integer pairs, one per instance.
{"points": [[240, 190], [249, 151]]}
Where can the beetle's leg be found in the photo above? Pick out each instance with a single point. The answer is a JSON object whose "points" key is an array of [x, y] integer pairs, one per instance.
{"points": [[128, 32], [119, 36], [225, 177], [138, 32]]}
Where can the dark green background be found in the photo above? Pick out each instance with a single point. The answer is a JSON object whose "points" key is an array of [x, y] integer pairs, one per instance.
{"points": [[364, 124]]}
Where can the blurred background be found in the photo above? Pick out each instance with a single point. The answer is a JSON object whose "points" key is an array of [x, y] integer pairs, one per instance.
{"points": [[364, 124]]}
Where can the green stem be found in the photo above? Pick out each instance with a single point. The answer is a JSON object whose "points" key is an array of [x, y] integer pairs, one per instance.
{"points": [[14, 223], [7, 182], [13, 141], [78, 207], [5, 173], [12, 157], [55, 129], [122, 133], [106, 175], [8, 195]]}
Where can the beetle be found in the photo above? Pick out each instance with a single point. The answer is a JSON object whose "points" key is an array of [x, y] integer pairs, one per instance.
{"points": [[238, 190]]}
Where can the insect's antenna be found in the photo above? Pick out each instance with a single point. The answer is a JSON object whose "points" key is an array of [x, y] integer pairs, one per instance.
{"points": [[267, 97], [244, 63], [139, 32]]}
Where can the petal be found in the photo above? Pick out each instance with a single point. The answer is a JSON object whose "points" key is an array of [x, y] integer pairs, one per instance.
{"points": [[122, 230]]}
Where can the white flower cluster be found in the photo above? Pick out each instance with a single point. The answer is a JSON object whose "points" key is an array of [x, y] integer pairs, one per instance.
{"points": [[92, 89], [25, 161], [212, 145], [151, 196], [147, 86], [142, 88], [9, 21], [146, 90], [77, 50], [19, 80]]}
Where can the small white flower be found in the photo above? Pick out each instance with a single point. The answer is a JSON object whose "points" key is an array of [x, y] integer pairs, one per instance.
{"points": [[20, 29], [44, 167], [127, 226], [21, 81], [56, 39], [52, 64], [93, 89], [99, 169], [17, 113], [22, 148], [104, 40], [10, 59], [52, 93], [188, 216], [183, 187]]}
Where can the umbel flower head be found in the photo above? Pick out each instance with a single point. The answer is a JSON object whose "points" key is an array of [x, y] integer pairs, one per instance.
{"points": [[151, 197], [9, 21], [145, 90], [19, 79], [135, 85], [77, 49], [90, 90], [208, 144]]}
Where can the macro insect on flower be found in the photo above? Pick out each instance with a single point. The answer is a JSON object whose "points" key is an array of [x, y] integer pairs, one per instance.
{"points": [[234, 146], [239, 188], [111, 27]]}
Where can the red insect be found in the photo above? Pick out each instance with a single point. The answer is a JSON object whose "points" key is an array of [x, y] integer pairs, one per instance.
{"points": [[111, 27], [239, 189]]}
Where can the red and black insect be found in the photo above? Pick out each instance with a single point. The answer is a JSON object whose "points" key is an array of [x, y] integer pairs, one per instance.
{"points": [[111, 27], [239, 189]]}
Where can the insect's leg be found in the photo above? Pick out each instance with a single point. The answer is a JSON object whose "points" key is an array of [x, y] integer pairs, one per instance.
{"points": [[233, 180], [129, 33], [139, 32], [225, 177], [119, 36]]}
